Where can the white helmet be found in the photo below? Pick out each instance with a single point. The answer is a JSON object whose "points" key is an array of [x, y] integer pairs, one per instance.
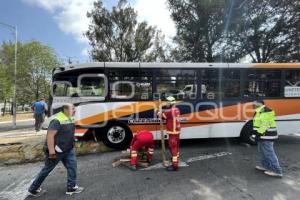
{"points": [[171, 99]]}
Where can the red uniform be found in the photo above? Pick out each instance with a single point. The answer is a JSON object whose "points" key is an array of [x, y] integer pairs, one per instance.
{"points": [[142, 140], [173, 129]]}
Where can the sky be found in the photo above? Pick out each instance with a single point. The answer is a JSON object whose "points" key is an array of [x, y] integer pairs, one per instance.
{"points": [[61, 23]]}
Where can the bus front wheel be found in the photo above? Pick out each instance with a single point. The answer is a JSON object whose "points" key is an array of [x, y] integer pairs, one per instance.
{"points": [[247, 132], [117, 136]]}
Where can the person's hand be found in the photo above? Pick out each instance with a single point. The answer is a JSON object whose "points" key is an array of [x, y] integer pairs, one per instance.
{"points": [[52, 156], [158, 114], [253, 138]]}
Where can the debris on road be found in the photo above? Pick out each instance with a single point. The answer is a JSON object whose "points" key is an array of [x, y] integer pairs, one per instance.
{"points": [[124, 160]]}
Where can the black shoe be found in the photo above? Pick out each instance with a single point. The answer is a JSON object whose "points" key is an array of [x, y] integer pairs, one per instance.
{"points": [[74, 190], [39, 192], [133, 168], [171, 169]]}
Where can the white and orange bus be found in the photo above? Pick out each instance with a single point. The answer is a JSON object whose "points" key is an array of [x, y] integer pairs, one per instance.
{"points": [[113, 100]]}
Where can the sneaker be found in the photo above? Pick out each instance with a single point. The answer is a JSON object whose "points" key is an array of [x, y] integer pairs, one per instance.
{"points": [[259, 168], [133, 168], [74, 190], [171, 168], [39, 192], [270, 173]]}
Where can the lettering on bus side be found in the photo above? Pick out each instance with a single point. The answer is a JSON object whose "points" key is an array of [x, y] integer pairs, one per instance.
{"points": [[150, 121]]}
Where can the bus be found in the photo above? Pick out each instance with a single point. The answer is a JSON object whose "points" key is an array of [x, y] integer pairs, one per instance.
{"points": [[115, 99]]}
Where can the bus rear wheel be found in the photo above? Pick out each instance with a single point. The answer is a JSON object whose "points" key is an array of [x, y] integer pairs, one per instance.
{"points": [[247, 132], [116, 136]]}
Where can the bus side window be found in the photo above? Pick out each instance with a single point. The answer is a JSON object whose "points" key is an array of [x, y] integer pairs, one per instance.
{"points": [[179, 83], [230, 83], [122, 90], [262, 83], [144, 86], [131, 84], [92, 87], [61, 88], [210, 84], [292, 83]]}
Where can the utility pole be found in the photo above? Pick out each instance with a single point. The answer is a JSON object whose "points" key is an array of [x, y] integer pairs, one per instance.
{"points": [[15, 31]]}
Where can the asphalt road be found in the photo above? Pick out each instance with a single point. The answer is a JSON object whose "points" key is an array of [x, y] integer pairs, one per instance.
{"points": [[218, 169], [7, 126]]}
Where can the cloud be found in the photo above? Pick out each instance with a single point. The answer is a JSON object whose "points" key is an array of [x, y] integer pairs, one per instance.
{"points": [[70, 15], [156, 13], [85, 51]]}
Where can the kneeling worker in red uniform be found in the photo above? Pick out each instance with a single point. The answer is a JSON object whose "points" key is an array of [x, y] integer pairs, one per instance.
{"points": [[171, 115], [141, 140]]}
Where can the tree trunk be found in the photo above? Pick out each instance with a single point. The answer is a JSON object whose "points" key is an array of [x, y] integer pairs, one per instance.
{"points": [[11, 108], [4, 108]]}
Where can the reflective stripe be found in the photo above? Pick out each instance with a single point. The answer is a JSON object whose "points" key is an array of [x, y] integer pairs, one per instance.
{"points": [[63, 119], [173, 133], [79, 134], [271, 129], [269, 137], [134, 155], [255, 129], [174, 121], [175, 159]]}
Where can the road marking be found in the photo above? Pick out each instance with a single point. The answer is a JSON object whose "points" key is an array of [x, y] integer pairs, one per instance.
{"points": [[204, 157], [16, 191], [160, 165], [190, 160], [23, 120]]}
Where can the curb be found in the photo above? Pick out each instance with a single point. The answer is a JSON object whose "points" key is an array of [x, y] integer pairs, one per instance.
{"points": [[20, 150]]}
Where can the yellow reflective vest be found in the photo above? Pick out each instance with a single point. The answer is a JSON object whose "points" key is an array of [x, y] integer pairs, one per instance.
{"points": [[264, 123], [64, 138]]}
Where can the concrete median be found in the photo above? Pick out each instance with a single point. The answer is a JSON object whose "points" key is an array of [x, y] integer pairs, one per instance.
{"points": [[28, 147]]}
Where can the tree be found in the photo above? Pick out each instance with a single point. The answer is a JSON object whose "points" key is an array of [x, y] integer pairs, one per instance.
{"points": [[200, 29], [161, 50], [267, 30], [231, 30], [35, 62], [117, 36]]}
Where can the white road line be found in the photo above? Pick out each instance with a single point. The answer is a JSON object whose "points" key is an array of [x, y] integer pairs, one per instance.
{"points": [[204, 157], [190, 160], [16, 191], [160, 165]]}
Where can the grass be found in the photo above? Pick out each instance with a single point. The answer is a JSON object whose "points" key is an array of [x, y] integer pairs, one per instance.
{"points": [[20, 116]]}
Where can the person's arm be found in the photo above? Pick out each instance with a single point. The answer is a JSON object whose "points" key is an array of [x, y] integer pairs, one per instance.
{"points": [[50, 143], [32, 107], [133, 140], [52, 131], [45, 107], [162, 114]]}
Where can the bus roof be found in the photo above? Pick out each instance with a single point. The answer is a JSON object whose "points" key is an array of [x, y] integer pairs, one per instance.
{"points": [[172, 65]]}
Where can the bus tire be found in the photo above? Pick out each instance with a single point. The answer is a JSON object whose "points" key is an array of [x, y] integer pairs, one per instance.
{"points": [[247, 132], [116, 135]]}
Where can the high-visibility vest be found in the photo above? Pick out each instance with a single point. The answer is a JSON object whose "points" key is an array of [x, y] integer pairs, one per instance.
{"points": [[264, 123], [64, 138], [171, 116]]}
